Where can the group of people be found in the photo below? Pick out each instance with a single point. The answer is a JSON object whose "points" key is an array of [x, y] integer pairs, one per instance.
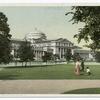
{"points": [[79, 67]]}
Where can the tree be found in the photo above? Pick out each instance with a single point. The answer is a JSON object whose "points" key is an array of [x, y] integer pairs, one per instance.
{"points": [[25, 52], [90, 16], [43, 36], [5, 45], [76, 56], [68, 55], [47, 56], [56, 57], [97, 56]]}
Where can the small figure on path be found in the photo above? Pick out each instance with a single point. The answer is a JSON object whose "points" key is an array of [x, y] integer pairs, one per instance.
{"points": [[77, 67], [88, 71], [82, 65]]}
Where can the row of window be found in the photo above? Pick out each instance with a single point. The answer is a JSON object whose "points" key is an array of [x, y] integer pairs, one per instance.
{"points": [[54, 44], [63, 44]]}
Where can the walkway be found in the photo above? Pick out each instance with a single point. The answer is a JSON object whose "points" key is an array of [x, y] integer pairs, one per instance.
{"points": [[44, 86]]}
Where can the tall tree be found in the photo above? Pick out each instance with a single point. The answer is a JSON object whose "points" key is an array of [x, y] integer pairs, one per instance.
{"points": [[5, 46], [55, 57], [76, 56], [97, 56], [68, 55], [47, 56], [25, 52], [43, 36], [90, 16]]}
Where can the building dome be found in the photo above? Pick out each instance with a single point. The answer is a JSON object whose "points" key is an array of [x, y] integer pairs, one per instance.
{"points": [[36, 34]]}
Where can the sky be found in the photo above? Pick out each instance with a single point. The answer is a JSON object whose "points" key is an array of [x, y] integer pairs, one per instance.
{"points": [[50, 20]]}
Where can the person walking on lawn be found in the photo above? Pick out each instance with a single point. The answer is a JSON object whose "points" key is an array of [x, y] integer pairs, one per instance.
{"points": [[77, 67]]}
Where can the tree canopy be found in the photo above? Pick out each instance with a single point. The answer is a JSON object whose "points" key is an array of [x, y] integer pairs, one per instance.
{"points": [[5, 46], [25, 52], [97, 56], [47, 56], [56, 57], [90, 16], [68, 55]]}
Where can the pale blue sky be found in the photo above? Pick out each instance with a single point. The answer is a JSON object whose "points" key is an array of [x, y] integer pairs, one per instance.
{"points": [[49, 19]]}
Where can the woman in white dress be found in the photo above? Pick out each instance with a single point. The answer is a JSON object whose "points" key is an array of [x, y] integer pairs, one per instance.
{"points": [[77, 67]]}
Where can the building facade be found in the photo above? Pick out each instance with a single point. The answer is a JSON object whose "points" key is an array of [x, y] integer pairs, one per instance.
{"points": [[85, 54], [41, 44], [57, 46]]}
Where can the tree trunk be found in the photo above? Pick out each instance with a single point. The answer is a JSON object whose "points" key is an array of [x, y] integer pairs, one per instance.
{"points": [[25, 63], [30, 63], [15, 62], [22, 64]]}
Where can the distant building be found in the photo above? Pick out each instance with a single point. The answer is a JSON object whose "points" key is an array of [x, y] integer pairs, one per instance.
{"points": [[41, 44], [56, 46], [85, 54]]}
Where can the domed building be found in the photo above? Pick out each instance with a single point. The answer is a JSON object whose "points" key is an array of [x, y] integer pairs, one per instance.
{"points": [[35, 36], [41, 44]]}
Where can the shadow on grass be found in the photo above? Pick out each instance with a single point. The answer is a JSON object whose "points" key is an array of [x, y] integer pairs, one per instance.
{"points": [[8, 77], [84, 91], [28, 66]]}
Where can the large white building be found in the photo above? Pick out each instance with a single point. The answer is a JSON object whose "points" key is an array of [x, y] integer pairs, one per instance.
{"points": [[40, 45], [58, 46]]}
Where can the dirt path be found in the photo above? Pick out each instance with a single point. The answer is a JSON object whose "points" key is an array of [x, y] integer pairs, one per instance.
{"points": [[44, 86]]}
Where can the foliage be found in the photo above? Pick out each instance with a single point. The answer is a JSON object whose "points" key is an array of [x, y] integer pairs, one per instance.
{"points": [[90, 16], [47, 56], [97, 56], [68, 55], [25, 52], [76, 56], [55, 57], [5, 45], [43, 36]]}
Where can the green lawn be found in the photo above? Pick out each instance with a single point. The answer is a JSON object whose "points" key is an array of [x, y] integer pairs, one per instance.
{"points": [[84, 91], [63, 71]]}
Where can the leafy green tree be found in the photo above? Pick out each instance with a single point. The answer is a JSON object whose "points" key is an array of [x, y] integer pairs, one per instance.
{"points": [[25, 52], [97, 56], [90, 16], [56, 57], [68, 55], [76, 56], [43, 36], [47, 56], [5, 37]]}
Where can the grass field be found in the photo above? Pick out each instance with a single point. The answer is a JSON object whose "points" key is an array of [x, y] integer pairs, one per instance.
{"points": [[84, 91], [63, 71]]}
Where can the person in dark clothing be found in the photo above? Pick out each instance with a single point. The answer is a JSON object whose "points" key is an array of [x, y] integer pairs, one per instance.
{"points": [[82, 65]]}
